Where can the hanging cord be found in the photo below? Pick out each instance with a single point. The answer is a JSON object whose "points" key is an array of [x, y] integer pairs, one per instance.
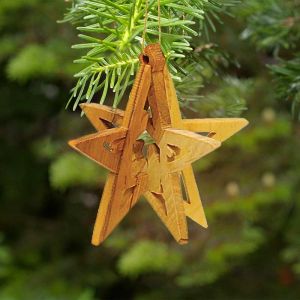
{"points": [[145, 24], [159, 20]]}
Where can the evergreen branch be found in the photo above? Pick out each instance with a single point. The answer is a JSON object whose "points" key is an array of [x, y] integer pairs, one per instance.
{"points": [[112, 31], [287, 78], [274, 26]]}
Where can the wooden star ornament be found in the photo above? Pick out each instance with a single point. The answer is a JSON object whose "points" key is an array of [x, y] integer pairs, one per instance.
{"points": [[155, 171]]}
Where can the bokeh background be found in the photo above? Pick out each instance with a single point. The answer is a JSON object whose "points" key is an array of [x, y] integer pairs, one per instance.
{"points": [[49, 195]]}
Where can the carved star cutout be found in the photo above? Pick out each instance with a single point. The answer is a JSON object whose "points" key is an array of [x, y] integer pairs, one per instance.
{"points": [[157, 176], [117, 149]]}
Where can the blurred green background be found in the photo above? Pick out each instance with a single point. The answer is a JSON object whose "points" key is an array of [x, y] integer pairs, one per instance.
{"points": [[49, 195]]}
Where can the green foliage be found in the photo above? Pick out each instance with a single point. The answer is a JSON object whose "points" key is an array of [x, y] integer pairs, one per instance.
{"points": [[7, 7], [250, 143], [249, 207], [8, 45], [229, 99], [274, 26], [46, 148], [32, 61], [287, 79], [113, 30], [71, 169], [147, 257], [5, 259], [217, 260], [32, 48], [22, 287], [249, 187], [291, 253]]}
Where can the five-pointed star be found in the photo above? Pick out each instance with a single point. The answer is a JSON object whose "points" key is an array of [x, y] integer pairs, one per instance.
{"points": [[158, 175], [117, 150], [219, 129]]}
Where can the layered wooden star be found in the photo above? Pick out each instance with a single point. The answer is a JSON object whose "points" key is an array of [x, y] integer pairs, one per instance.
{"points": [[118, 150], [158, 174]]}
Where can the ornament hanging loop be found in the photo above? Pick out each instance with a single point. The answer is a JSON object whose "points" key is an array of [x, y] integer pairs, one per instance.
{"points": [[153, 56], [146, 23], [159, 21]]}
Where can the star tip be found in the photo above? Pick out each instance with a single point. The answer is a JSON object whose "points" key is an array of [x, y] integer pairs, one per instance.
{"points": [[95, 242], [183, 241], [216, 143], [243, 122], [83, 106], [72, 143], [203, 222]]}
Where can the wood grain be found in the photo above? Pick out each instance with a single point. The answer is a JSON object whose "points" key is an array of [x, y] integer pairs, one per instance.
{"points": [[127, 179], [152, 106]]}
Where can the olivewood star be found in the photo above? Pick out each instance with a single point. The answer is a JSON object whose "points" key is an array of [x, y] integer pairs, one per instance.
{"points": [[157, 176], [117, 149], [219, 129]]}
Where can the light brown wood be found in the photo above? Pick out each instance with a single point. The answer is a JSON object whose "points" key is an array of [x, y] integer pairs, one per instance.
{"points": [[152, 105], [109, 140], [219, 129], [102, 116], [115, 149], [167, 158], [192, 204], [177, 148], [181, 142]]}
